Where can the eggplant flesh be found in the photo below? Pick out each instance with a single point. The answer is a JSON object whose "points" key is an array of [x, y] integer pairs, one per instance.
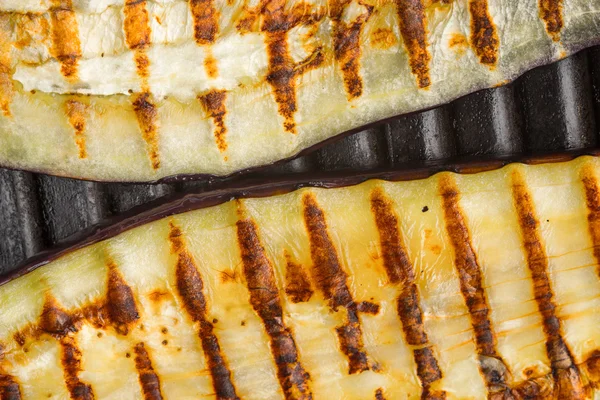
{"points": [[122, 90], [455, 286]]}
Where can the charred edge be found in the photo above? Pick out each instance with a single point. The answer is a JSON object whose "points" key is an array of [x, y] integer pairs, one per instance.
{"points": [[66, 47], [77, 113], [54, 320], [265, 300], [413, 28], [551, 12], [6, 84], [71, 362], [120, 303], [471, 285], [9, 388], [213, 103], [331, 280], [565, 372], [484, 36], [592, 196], [146, 114], [146, 374], [297, 282], [347, 51], [206, 21], [190, 288], [379, 394]]}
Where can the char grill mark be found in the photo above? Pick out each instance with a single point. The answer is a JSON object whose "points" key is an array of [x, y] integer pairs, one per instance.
{"points": [[71, 363], [206, 29], [77, 113], [148, 378], [66, 46], [551, 12], [484, 35], [491, 365], [9, 388], [213, 103], [347, 48], [331, 280], [413, 28], [57, 322], [7, 89], [283, 71], [266, 302], [592, 197], [400, 272], [120, 303], [568, 383], [191, 291], [297, 283], [137, 37]]}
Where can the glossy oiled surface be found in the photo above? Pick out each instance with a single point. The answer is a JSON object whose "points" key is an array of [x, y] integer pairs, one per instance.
{"points": [[464, 286], [215, 87]]}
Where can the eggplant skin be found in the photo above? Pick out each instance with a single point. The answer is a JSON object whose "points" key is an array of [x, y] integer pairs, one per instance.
{"points": [[119, 90], [456, 286]]}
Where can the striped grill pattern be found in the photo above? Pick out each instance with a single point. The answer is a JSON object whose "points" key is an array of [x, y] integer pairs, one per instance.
{"points": [[406, 298], [273, 58]]}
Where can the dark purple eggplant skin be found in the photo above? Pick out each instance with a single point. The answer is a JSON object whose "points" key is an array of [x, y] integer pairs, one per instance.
{"points": [[571, 51], [265, 187]]}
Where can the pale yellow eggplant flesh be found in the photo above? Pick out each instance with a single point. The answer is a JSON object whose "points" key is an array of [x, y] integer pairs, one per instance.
{"points": [[123, 90], [456, 286]]}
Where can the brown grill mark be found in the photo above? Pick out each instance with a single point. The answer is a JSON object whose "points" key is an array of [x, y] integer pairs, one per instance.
{"points": [[66, 47], [551, 12], [210, 65], [491, 364], [484, 37], [383, 38], [137, 37], [331, 280], [146, 374], [347, 51], [191, 290], [282, 71], [413, 28], [367, 307], [136, 25], [565, 372], [379, 394], [282, 78], [77, 113], [297, 283], [400, 271], [213, 103], [71, 363], [146, 114], [7, 90], [206, 21], [9, 388], [120, 303], [54, 320], [266, 302], [592, 196]]}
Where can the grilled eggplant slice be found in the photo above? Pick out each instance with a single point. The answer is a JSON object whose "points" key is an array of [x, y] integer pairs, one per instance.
{"points": [[128, 90], [457, 287]]}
